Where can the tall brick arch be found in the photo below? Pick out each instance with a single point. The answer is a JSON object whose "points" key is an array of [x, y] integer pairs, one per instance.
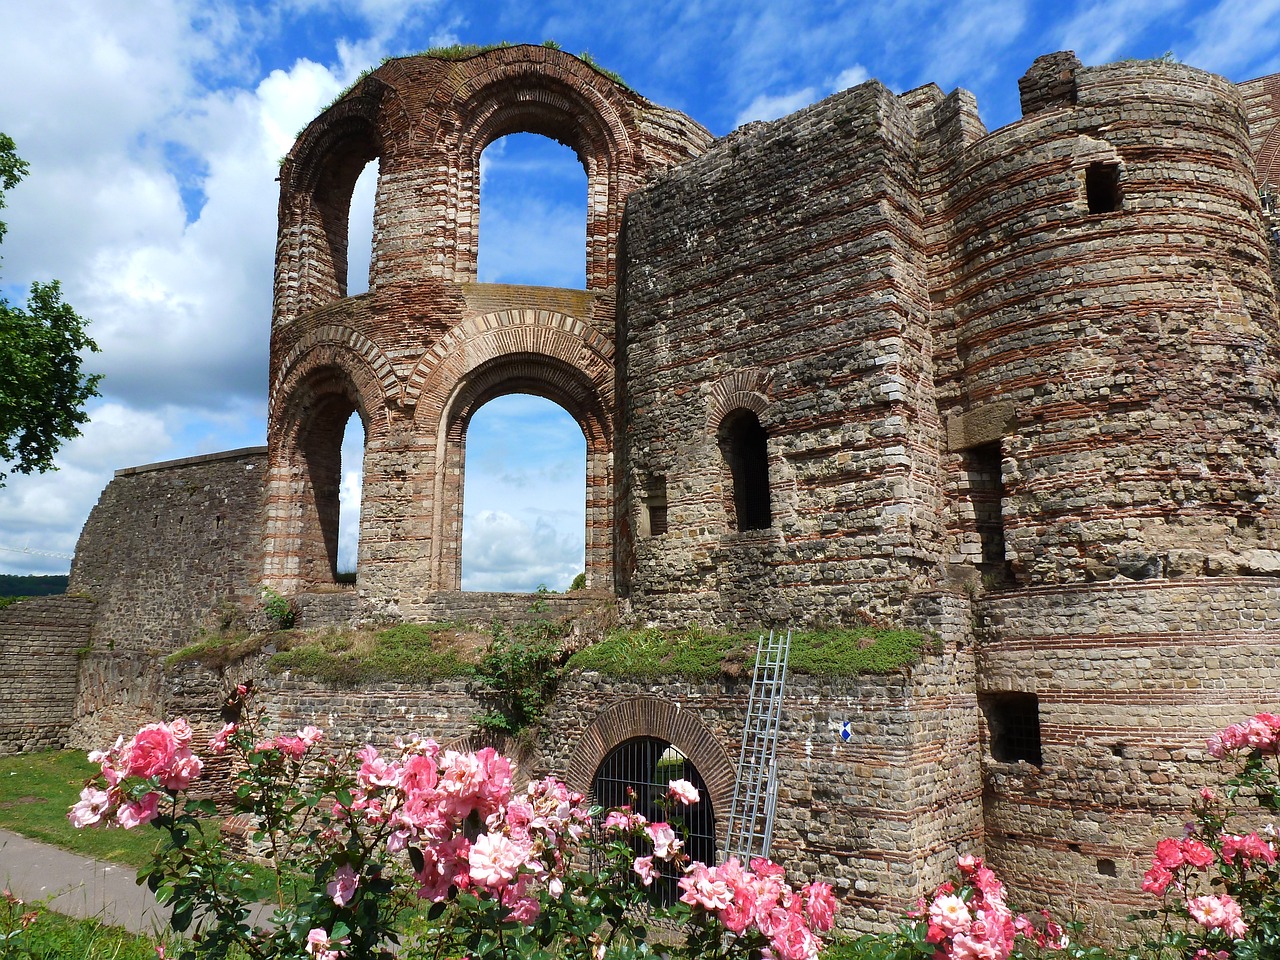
{"points": [[556, 96], [316, 395], [518, 351], [427, 345]]}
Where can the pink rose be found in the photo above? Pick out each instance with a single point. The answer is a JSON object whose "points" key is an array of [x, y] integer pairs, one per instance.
{"points": [[219, 743], [134, 813], [820, 905], [1157, 880], [343, 886], [150, 751], [1196, 853], [495, 859], [950, 915], [93, 806], [186, 767], [1168, 854], [665, 844], [645, 870], [683, 791], [1218, 913]]}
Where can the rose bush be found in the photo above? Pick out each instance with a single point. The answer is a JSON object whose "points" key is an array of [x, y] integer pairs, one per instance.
{"points": [[359, 842], [1219, 884]]}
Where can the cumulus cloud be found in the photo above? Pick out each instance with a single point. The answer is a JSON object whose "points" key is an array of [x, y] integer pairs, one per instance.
{"points": [[773, 106], [1100, 31], [502, 552], [1236, 36]]}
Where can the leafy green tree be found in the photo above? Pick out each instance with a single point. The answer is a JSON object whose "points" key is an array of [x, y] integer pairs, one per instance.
{"points": [[42, 388]]}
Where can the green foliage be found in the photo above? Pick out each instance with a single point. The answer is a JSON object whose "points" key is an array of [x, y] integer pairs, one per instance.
{"points": [[404, 653], [217, 650], [691, 653], [579, 582], [280, 611], [42, 388], [39, 585], [848, 653], [517, 675], [695, 654]]}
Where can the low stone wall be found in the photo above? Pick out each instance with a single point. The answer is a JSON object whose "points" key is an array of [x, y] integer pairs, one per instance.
{"points": [[41, 642], [879, 776]]}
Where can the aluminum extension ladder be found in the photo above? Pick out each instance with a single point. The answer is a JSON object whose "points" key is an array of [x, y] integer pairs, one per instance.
{"points": [[755, 794]]}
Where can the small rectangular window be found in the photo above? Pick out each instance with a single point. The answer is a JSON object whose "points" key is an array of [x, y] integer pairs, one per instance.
{"points": [[983, 467], [1102, 187], [654, 516], [1013, 721]]}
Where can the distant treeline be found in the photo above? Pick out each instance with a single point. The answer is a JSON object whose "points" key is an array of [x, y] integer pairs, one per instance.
{"points": [[33, 586]]}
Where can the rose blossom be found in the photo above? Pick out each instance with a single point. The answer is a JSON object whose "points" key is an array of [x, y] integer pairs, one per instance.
{"points": [[219, 743], [494, 859], [93, 805], [343, 886], [150, 751], [135, 813], [665, 844], [1218, 913], [683, 791], [820, 904], [950, 915], [645, 870]]}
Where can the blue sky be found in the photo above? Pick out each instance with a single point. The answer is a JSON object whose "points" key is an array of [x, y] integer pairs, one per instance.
{"points": [[153, 128]]}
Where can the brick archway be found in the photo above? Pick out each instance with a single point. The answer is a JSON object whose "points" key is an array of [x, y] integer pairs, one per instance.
{"points": [[538, 352], [651, 717], [315, 397], [427, 345]]}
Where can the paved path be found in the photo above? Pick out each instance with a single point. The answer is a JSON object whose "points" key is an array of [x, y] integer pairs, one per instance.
{"points": [[78, 886]]}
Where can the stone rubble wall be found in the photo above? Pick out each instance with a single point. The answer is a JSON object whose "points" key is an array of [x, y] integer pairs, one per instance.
{"points": [[1130, 679], [41, 643], [782, 272], [169, 549]]}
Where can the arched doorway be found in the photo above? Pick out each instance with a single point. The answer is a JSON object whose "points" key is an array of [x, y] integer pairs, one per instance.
{"points": [[636, 774]]}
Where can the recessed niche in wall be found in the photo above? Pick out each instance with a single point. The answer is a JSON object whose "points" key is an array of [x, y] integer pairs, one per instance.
{"points": [[1013, 721]]}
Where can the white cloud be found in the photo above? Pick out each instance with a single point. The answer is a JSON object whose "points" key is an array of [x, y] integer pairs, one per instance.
{"points": [[1236, 36], [1106, 29], [502, 552], [773, 106], [850, 77]]}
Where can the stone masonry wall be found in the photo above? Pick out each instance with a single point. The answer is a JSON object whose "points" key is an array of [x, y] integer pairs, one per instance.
{"points": [[846, 812], [169, 549], [782, 273], [1130, 679], [41, 642]]}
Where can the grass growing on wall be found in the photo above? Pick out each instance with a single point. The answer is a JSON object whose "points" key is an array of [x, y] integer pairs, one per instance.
{"points": [[408, 652], [695, 654]]}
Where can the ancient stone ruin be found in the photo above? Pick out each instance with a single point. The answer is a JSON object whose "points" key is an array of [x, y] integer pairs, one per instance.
{"points": [[1017, 388]]}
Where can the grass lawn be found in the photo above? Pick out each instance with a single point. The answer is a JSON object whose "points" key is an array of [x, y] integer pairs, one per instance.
{"points": [[37, 790], [50, 936]]}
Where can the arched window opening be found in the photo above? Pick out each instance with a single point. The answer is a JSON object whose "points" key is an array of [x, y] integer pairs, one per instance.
{"points": [[637, 774], [350, 488], [524, 497], [321, 461], [360, 230], [533, 213], [745, 448]]}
